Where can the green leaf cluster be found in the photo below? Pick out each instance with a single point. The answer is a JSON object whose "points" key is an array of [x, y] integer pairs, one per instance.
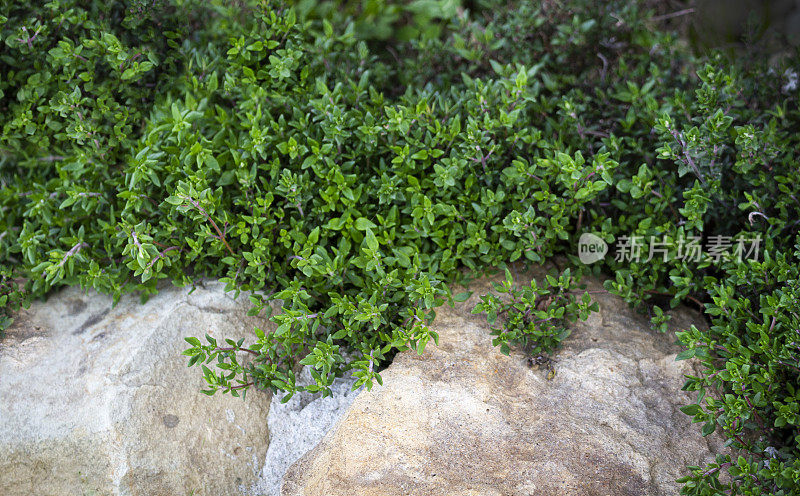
{"points": [[537, 317], [341, 164]]}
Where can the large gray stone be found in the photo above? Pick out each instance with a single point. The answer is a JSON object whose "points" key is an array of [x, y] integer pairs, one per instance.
{"points": [[463, 419], [95, 400]]}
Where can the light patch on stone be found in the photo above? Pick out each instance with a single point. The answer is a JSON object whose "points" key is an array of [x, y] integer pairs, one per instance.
{"points": [[297, 426], [102, 399]]}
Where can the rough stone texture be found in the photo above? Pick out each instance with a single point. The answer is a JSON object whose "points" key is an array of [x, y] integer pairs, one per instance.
{"points": [[463, 419], [298, 425], [95, 400]]}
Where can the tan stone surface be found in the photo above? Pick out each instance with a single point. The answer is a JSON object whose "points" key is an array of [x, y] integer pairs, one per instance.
{"points": [[463, 419]]}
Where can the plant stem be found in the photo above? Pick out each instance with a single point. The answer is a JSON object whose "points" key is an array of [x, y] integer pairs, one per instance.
{"points": [[238, 349]]}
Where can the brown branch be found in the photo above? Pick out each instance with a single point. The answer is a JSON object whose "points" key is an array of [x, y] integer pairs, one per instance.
{"points": [[671, 15], [241, 386], [214, 224], [72, 251], [238, 349]]}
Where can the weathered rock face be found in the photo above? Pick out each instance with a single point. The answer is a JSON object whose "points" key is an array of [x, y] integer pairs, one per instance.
{"points": [[463, 419], [298, 425], [95, 400]]}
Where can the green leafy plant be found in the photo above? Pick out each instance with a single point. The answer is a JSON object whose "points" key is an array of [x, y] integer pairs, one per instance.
{"points": [[384, 20], [341, 177], [537, 316]]}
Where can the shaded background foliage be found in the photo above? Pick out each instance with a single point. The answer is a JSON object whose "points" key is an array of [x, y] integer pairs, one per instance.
{"points": [[347, 160]]}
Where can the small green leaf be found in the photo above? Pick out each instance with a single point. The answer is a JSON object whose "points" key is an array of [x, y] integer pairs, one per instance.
{"points": [[362, 224], [464, 296]]}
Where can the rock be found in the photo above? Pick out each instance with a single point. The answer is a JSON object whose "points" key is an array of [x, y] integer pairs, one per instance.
{"points": [[98, 400], [463, 419], [298, 425]]}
